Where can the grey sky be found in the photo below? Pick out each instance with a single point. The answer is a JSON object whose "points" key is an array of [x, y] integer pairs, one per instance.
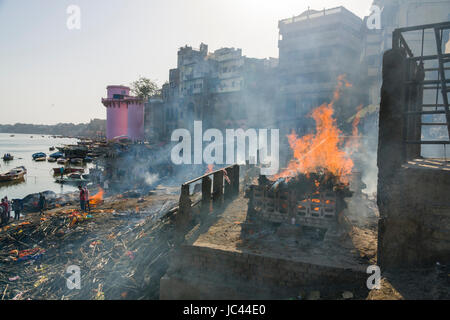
{"points": [[49, 74]]}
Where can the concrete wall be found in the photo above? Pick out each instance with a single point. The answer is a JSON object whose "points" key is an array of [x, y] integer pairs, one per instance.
{"points": [[414, 229], [414, 206], [206, 273]]}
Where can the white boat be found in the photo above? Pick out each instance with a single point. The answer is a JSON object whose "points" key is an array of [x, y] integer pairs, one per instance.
{"points": [[73, 178]]}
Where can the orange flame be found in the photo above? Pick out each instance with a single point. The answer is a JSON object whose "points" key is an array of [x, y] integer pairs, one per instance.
{"points": [[322, 149], [353, 143], [97, 198]]}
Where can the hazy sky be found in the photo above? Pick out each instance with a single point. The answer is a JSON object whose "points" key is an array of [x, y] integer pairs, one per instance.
{"points": [[50, 74]]}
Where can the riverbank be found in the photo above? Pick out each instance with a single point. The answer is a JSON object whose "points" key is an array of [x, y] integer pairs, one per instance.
{"points": [[39, 175], [107, 245]]}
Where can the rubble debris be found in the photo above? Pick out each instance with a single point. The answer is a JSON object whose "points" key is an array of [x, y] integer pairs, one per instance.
{"points": [[114, 255]]}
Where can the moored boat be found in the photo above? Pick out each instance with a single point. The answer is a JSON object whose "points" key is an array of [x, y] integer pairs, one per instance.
{"points": [[73, 178], [39, 155], [14, 174], [51, 159], [57, 171], [7, 157], [62, 161], [40, 159], [57, 155], [76, 161]]}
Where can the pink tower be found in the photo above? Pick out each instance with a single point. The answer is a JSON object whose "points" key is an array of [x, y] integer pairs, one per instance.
{"points": [[124, 114]]}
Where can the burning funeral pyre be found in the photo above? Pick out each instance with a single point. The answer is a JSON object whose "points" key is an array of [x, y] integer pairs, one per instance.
{"points": [[312, 200], [310, 192]]}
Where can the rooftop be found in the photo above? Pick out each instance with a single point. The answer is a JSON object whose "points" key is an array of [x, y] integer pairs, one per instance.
{"points": [[314, 14]]}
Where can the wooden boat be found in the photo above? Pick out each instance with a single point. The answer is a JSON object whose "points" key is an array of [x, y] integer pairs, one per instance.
{"points": [[76, 161], [7, 157], [57, 171], [40, 159], [14, 174], [51, 159], [62, 161], [73, 178]]}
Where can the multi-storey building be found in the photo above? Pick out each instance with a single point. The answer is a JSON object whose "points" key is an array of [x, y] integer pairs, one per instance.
{"points": [[315, 48], [224, 89]]}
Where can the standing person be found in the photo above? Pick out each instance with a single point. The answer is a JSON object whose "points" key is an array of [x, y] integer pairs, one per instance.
{"points": [[2, 215], [18, 207], [4, 211], [82, 198], [61, 171], [86, 194], [8, 207], [41, 203]]}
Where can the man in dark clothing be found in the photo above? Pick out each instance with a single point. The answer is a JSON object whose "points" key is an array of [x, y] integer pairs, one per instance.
{"points": [[18, 207], [3, 212], [41, 203]]}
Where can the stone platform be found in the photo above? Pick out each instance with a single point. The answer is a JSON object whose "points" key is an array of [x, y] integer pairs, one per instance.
{"points": [[220, 261]]}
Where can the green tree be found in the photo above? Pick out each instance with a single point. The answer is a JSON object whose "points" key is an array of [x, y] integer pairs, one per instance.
{"points": [[144, 88]]}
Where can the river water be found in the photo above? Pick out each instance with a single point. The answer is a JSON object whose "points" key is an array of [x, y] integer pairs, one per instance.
{"points": [[39, 175]]}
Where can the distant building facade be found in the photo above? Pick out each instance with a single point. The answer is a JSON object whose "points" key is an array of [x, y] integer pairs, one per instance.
{"points": [[219, 88], [154, 119]]}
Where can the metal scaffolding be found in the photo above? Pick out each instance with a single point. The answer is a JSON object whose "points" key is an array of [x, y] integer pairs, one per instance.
{"points": [[433, 78]]}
